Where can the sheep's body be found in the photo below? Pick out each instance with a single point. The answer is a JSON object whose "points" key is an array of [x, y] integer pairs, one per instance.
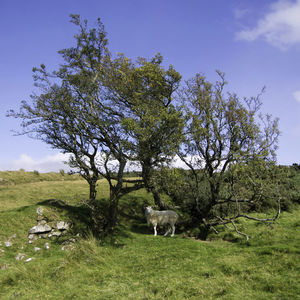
{"points": [[165, 217]]}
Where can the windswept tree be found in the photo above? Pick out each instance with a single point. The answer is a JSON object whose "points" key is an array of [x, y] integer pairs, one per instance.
{"points": [[229, 149], [74, 113], [145, 94]]}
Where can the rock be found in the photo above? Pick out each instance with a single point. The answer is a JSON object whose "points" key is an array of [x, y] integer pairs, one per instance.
{"points": [[47, 246], [43, 235], [40, 211], [20, 256], [56, 233], [29, 259], [40, 218], [62, 225], [42, 222], [30, 242], [8, 244], [40, 229], [35, 249], [32, 237]]}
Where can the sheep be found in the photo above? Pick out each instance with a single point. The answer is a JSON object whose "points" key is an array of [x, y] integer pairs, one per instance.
{"points": [[164, 217]]}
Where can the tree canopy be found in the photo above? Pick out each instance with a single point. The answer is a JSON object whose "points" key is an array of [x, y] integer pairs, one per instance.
{"points": [[109, 112]]}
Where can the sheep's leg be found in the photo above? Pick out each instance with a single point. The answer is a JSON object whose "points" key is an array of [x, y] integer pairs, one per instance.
{"points": [[155, 232], [167, 232], [173, 230]]}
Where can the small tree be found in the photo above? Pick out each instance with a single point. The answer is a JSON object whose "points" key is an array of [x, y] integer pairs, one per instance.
{"points": [[146, 96], [225, 136]]}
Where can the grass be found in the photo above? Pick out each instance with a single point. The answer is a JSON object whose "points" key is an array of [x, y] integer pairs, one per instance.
{"points": [[135, 264]]}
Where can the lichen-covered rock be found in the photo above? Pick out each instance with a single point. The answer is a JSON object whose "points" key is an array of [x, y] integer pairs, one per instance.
{"points": [[40, 229], [55, 233], [40, 211], [62, 225]]}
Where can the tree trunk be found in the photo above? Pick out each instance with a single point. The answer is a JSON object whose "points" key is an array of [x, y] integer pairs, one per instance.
{"points": [[157, 199], [96, 220], [113, 211]]}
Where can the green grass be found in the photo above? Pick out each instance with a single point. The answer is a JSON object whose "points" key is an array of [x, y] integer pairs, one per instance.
{"points": [[135, 264]]}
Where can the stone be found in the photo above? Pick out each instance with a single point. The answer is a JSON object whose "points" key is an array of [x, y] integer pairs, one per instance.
{"points": [[35, 249], [40, 229], [47, 246], [8, 244], [29, 259], [43, 235], [56, 233], [40, 218], [20, 256], [62, 225], [40, 211], [32, 237], [42, 222]]}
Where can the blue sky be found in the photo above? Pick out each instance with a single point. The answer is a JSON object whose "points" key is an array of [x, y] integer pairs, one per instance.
{"points": [[256, 43]]}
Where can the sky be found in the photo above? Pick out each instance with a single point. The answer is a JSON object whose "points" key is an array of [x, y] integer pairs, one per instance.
{"points": [[256, 43]]}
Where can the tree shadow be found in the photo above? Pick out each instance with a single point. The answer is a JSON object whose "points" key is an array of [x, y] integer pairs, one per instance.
{"points": [[77, 215]]}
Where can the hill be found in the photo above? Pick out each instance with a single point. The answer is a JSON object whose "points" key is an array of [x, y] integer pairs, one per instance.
{"points": [[134, 264]]}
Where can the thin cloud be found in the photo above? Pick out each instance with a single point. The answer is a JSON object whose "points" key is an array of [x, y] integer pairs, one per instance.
{"points": [[280, 27], [297, 95], [50, 163]]}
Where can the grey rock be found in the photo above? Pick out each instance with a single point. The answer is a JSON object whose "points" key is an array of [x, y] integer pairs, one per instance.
{"points": [[32, 237], [40, 211], [35, 249], [56, 233], [8, 244], [43, 235], [42, 222], [40, 229], [62, 225], [20, 256], [29, 259]]}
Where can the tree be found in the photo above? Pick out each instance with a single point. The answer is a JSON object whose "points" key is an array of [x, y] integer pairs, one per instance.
{"points": [[73, 113], [230, 151], [145, 95]]}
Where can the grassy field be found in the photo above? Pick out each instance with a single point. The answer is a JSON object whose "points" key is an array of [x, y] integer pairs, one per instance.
{"points": [[134, 264]]}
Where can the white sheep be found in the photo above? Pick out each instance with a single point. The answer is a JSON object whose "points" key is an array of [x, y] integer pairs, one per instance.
{"points": [[164, 217]]}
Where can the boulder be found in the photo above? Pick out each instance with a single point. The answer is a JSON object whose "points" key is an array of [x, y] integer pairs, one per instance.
{"points": [[62, 225], [40, 229]]}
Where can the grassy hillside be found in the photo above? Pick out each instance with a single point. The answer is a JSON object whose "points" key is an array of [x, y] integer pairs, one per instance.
{"points": [[134, 264]]}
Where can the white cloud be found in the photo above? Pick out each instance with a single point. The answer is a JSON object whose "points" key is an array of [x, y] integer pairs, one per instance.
{"points": [[297, 95], [280, 27], [50, 163]]}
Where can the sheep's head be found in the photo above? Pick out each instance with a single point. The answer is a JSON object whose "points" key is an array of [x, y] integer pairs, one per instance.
{"points": [[148, 210]]}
